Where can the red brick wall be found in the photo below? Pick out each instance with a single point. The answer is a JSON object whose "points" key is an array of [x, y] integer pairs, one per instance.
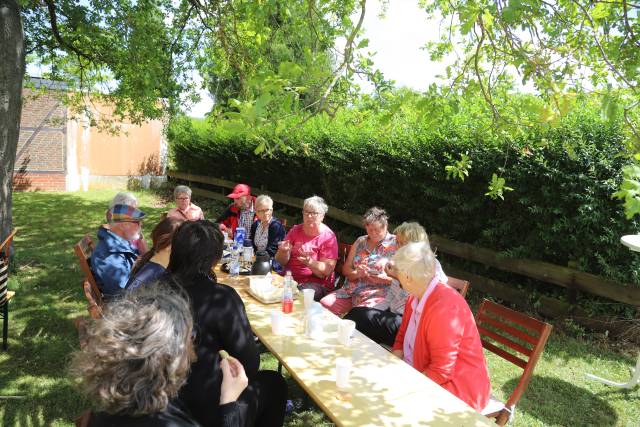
{"points": [[39, 181], [40, 161]]}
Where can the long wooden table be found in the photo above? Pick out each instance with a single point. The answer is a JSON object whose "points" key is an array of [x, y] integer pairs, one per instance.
{"points": [[384, 390]]}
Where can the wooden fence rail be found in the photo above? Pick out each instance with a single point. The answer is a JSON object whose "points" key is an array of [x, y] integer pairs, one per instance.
{"points": [[539, 270]]}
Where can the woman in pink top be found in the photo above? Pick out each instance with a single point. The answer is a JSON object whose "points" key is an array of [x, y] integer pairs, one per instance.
{"points": [[184, 210], [310, 249]]}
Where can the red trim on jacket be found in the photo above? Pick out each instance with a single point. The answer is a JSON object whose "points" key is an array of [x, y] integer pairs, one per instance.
{"points": [[447, 347], [229, 217]]}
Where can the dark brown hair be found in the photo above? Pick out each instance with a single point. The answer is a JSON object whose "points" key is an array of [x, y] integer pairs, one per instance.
{"points": [[161, 236]]}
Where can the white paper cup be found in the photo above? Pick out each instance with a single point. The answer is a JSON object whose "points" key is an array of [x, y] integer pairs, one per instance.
{"points": [[343, 372], [277, 322], [308, 297], [345, 330]]}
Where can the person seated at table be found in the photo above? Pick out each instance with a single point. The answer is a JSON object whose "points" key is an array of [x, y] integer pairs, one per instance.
{"points": [[310, 250], [267, 231], [184, 210], [114, 255], [438, 335], [381, 323], [220, 323], [367, 281], [153, 264], [136, 359], [241, 213], [127, 198]]}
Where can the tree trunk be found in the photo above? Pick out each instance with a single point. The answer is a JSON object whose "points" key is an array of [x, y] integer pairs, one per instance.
{"points": [[12, 68]]}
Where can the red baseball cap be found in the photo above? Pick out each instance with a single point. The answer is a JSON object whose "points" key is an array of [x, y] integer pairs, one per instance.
{"points": [[239, 191]]}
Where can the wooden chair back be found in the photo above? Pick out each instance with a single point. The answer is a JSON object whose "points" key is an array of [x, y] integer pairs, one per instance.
{"points": [[343, 252], [5, 295], [83, 420], [460, 285], [522, 340], [94, 300], [83, 249], [6, 245]]}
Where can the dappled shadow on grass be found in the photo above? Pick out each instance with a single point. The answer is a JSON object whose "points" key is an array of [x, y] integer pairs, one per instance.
{"points": [[550, 400], [38, 409], [48, 297]]}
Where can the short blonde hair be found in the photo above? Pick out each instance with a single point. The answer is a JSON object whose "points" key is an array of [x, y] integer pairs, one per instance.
{"points": [[411, 232], [416, 260], [138, 354]]}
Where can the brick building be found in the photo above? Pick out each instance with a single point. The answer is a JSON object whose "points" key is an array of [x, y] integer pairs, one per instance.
{"points": [[58, 152]]}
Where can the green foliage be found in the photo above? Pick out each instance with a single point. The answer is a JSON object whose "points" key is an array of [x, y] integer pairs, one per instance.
{"points": [[564, 49], [549, 188]]}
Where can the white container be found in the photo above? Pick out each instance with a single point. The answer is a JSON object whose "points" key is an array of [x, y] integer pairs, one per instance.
{"points": [[277, 322], [308, 298], [345, 330], [343, 372]]}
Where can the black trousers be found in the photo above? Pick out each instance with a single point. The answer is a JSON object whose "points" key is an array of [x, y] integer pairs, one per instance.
{"points": [[379, 325], [263, 402]]}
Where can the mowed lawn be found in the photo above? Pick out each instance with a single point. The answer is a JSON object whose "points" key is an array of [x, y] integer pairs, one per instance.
{"points": [[35, 389]]}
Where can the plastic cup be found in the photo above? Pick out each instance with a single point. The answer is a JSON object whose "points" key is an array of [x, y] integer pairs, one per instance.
{"points": [[277, 322], [345, 330], [309, 294], [343, 372]]}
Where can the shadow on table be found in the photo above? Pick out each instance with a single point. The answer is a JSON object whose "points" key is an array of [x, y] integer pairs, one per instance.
{"points": [[550, 399]]}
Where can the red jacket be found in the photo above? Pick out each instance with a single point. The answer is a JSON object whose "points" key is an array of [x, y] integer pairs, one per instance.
{"points": [[447, 348], [229, 218]]}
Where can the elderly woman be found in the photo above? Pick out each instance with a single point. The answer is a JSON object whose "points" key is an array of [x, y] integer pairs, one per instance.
{"points": [[220, 323], [438, 335], [267, 231], [153, 264], [364, 268], [381, 323], [184, 210], [310, 249], [136, 359]]}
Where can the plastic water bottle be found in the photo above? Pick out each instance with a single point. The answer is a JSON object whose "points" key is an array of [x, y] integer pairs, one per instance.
{"points": [[287, 294], [234, 264], [239, 236]]}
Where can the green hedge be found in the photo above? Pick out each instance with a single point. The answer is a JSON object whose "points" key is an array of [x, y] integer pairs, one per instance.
{"points": [[563, 177]]}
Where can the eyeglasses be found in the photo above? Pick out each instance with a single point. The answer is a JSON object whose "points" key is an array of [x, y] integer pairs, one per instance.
{"points": [[183, 198], [309, 213], [264, 210]]}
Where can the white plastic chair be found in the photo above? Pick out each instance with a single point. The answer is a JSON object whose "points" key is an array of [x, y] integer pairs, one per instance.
{"points": [[634, 381]]}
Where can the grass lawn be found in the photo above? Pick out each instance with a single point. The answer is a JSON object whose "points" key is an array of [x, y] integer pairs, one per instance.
{"points": [[36, 391]]}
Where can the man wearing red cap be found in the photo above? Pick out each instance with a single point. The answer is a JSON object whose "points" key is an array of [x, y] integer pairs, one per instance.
{"points": [[241, 213]]}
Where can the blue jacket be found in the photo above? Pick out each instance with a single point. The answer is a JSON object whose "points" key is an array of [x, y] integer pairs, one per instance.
{"points": [[111, 262]]}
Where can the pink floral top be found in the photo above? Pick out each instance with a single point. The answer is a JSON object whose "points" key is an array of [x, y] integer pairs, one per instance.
{"points": [[362, 292]]}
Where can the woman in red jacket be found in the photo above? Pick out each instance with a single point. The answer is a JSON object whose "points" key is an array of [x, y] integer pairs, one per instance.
{"points": [[438, 335]]}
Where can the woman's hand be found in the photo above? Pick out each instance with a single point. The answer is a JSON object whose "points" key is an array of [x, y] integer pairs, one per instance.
{"points": [[361, 272], [234, 380], [380, 278], [285, 246], [305, 257]]}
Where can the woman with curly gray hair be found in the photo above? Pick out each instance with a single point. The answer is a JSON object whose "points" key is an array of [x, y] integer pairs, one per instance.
{"points": [[136, 359]]}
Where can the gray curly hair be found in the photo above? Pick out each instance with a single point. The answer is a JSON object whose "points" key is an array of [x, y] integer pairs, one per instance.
{"points": [[138, 355]]}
